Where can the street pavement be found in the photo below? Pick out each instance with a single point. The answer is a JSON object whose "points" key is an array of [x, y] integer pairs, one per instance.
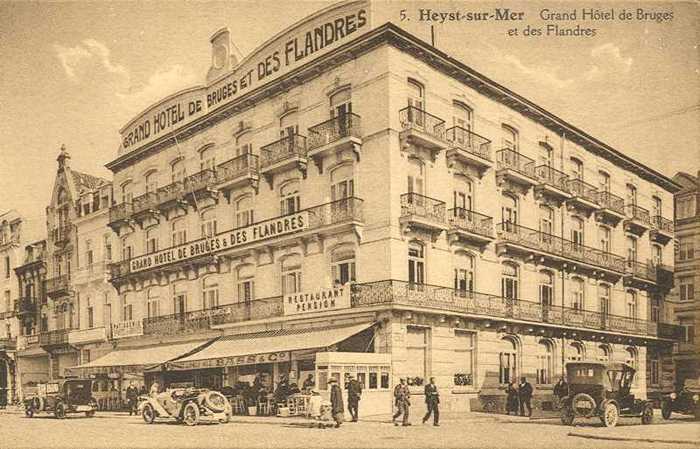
{"points": [[472, 430]]}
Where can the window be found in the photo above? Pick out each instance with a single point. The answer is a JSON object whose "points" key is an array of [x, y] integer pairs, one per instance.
{"points": [[177, 171], [416, 182], [546, 288], [343, 266], [689, 331], [289, 127], [179, 299], [685, 207], [462, 117], [7, 267], [8, 301], [577, 233], [127, 194], [210, 293], [244, 211], [342, 183], [416, 352], [151, 181], [90, 314], [654, 368], [209, 223], [107, 247], [246, 283], [463, 197], [575, 352], [88, 253], [243, 145], [546, 222], [207, 158], [657, 255], [604, 238], [631, 195], [152, 239], [416, 95], [464, 359], [631, 303], [604, 353], [545, 154], [631, 358], [341, 106], [153, 300], [127, 311], [291, 274], [631, 249], [290, 201], [577, 294], [575, 169], [508, 361], [545, 362], [604, 299], [686, 287], [127, 249], [686, 248], [178, 232], [603, 181], [655, 312], [416, 263], [509, 138], [656, 208], [509, 281], [509, 211], [464, 273]]}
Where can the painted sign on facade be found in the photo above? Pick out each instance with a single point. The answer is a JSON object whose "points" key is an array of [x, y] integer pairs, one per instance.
{"points": [[125, 329], [226, 240], [323, 300], [251, 359]]}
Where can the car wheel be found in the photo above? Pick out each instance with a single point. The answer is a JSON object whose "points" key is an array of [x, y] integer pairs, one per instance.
{"points": [[567, 415], [215, 401], [190, 414], [148, 414], [60, 411], [29, 411], [647, 414], [610, 415], [666, 409]]}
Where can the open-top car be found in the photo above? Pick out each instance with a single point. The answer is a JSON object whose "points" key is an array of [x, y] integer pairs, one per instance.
{"points": [[686, 400], [61, 398], [597, 389], [186, 405]]}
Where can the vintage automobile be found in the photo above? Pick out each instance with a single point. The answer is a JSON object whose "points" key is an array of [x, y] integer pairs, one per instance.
{"points": [[598, 389], [62, 398], [685, 401], [186, 405]]}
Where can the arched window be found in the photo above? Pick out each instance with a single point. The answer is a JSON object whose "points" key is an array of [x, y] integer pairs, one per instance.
{"points": [[509, 211], [576, 352], [577, 233], [127, 308], [509, 281], [127, 193], [341, 106], [546, 221], [510, 139], [631, 304], [631, 358], [209, 223], [246, 282], [546, 288], [244, 211], [153, 300], [604, 237], [290, 199], [151, 181], [243, 144], [289, 124], [416, 263], [178, 232], [657, 254], [127, 249], [177, 170], [416, 181], [631, 250], [342, 183], [545, 362], [575, 169], [343, 265], [416, 94], [508, 360], [604, 299], [462, 117], [291, 274], [463, 197], [464, 272], [210, 293], [180, 298], [631, 195], [577, 294], [604, 353], [603, 181], [152, 239], [207, 158], [656, 209], [546, 154]]}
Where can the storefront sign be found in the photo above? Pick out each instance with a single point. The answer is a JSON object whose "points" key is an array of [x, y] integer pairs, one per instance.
{"points": [[221, 242], [252, 359], [328, 299], [125, 329], [311, 38]]}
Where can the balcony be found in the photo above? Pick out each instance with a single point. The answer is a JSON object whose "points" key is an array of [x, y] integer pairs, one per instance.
{"points": [[171, 198], [468, 149], [25, 307], [58, 286], [54, 339], [583, 195], [177, 324], [125, 329], [257, 309], [200, 188], [8, 241], [661, 229], [516, 168], [282, 155], [640, 274], [422, 212], [61, 234], [611, 208], [637, 219], [552, 183], [120, 214], [145, 205], [493, 309], [555, 250], [671, 331], [8, 344], [469, 226], [238, 172], [338, 134], [83, 336], [421, 130], [330, 218]]}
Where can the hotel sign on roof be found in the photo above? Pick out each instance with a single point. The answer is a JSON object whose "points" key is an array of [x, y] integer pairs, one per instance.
{"points": [[306, 40]]}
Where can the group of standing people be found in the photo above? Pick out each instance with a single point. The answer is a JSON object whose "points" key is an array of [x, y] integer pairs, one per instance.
{"points": [[132, 396], [402, 401], [519, 399], [354, 388]]}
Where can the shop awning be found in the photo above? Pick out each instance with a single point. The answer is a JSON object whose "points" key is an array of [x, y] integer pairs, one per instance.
{"points": [[138, 359], [265, 347]]}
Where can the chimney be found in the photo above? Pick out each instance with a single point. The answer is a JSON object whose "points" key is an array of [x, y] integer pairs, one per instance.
{"points": [[224, 54]]}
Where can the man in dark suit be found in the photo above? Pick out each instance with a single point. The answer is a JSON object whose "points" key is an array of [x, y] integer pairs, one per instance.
{"points": [[525, 395], [432, 401], [354, 394], [337, 408], [402, 400]]}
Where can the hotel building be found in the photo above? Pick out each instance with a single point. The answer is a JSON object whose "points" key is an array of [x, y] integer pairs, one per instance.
{"points": [[348, 199]]}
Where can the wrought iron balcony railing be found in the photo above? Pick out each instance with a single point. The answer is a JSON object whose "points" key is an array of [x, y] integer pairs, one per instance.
{"points": [[581, 189], [640, 214], [25, 306], [552, 244], [172, 192], [662, 224], [255, 309], [469, 141], [471, 221], [244, 165], [54, 338], [641, 270], [335, 129], [610, 201], [553, 177], [289, 147], [145, 202], [57, 284], [61, 233], [414, 204], [411, 117], [202, 180], [120, 212], [509, 159]]}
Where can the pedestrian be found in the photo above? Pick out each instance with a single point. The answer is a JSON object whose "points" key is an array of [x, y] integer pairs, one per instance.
{"points": [[432, 401], [155, 389], [308, 383], [337, 407], [354, 395], [143, 391], [131, 398], [525, 396], [511, 399], [561, 389], [402, 400]]}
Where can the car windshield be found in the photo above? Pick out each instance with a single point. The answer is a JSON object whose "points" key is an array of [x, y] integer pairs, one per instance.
{"points": [[584, 374], [615, 378]]}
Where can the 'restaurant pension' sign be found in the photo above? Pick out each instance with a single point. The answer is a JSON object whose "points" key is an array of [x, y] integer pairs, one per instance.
{"points": [[220, 242], [309, 39]]}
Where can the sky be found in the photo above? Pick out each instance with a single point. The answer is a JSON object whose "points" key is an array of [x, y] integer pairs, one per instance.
{"points": [[75, 73]]}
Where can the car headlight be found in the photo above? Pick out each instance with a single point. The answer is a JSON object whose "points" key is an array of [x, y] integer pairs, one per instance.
{"points": [[673, 395], [696, 397]]}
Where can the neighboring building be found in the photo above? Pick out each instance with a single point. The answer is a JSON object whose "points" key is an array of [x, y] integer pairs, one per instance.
{"points": [[686, 296], [368, 205]]}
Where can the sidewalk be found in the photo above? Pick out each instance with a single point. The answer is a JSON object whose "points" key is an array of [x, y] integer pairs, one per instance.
{"points": [[678, 431]]}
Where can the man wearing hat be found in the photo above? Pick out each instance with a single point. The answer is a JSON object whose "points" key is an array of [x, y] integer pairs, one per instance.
{"points": [[337, 407], [354, 394], [402, 400]]}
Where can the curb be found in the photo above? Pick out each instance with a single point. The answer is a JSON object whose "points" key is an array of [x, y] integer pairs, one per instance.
{"points": [[640, 440]]}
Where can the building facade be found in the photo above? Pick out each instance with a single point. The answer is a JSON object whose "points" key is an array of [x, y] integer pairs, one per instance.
{"points": [[686, 310], [404, 214]]}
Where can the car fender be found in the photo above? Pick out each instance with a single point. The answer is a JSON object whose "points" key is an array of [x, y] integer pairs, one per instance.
{"points": [[160, 410], [605, 402]]}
